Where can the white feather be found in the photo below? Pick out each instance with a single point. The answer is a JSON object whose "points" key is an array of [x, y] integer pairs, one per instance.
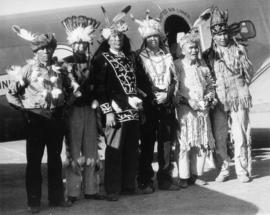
{"points": [[205, 13], [23, 33], [81, 34], [15, 73]]}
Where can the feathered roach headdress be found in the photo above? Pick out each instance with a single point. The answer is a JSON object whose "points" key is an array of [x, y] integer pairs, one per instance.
{"points": [[80, 28], [117, 24], [37, 40], [148, 26]]}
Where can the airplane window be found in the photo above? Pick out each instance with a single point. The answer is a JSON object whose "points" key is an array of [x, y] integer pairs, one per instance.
{"points": [[62, 51]]}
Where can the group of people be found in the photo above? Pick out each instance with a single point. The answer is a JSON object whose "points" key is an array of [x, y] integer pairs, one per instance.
{"points": [[133, 100]]}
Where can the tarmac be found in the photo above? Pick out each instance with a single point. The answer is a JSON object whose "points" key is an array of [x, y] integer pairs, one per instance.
{"points": [[227, 198]]}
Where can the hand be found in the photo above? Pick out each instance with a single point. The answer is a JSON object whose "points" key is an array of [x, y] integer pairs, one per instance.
{"points": [[110, 119], [135, 102], [161, 97], [193, 104], [76, 89], [202, 105], [116, 107]]}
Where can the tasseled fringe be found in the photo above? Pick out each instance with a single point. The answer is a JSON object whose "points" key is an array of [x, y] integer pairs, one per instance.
{"points": [[240, 103], [196, 135]]}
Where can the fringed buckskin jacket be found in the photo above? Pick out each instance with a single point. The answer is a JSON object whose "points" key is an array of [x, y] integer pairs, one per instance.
{"points": [[231, 69]]}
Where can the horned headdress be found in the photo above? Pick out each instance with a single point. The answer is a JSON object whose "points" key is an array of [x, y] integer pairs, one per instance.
{"points": [[37, 40], [217, 19], [80, 28], [148, 26], [218, 22], [117, 24]]}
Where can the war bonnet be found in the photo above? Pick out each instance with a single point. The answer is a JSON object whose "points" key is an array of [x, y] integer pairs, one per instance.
{"points": [[80, 28]]}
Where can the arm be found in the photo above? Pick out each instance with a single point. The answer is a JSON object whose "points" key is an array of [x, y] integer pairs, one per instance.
{"points": [[70, 79], [19, 81], [143, 83], [174, 83], [100, 75], [101, 84], [247, 67]]}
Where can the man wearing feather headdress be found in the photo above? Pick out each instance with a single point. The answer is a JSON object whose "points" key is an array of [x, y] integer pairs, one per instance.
{"points": [[231, 68], [116, 86], [81, 136], [157, 64], [38, 89]]}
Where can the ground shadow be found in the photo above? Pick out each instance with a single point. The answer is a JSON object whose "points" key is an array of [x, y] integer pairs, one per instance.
{"points": [[194, 200]]}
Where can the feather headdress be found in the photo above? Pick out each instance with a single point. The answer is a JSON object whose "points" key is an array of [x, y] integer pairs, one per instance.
{"points": [[117, 24], [80, 28], [190, 37], [37, 40], [15, 73], [212, 21], [205, 16], [218, 22], [148, 26], [23, 33]]}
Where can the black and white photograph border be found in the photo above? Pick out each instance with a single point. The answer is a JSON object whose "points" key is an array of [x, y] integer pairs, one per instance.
{"points": [[230, 197]]}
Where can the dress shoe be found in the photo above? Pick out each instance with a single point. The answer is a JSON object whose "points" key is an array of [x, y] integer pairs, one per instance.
{"points": [[146, 189], [222, 177], [243, 178], [34, 209], [183, 183], [200, 182], [112, 197], [95, 196], [168, 186], [72, 199], [192, 179]]}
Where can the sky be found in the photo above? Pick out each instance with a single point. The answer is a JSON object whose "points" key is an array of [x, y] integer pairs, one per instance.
{"points": [[23, 6]]}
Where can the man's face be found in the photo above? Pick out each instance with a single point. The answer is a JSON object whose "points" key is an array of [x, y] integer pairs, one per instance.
{"points": [[44, 55], [116, 41], [79, 47], [191, 51], [221, 39], [152, 42]]}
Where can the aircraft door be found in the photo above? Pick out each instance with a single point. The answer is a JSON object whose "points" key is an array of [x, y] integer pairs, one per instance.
{"points": [[173, 25]]}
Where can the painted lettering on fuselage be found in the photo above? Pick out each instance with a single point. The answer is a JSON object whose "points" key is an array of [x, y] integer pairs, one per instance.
{"points": [[4, 83]]}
